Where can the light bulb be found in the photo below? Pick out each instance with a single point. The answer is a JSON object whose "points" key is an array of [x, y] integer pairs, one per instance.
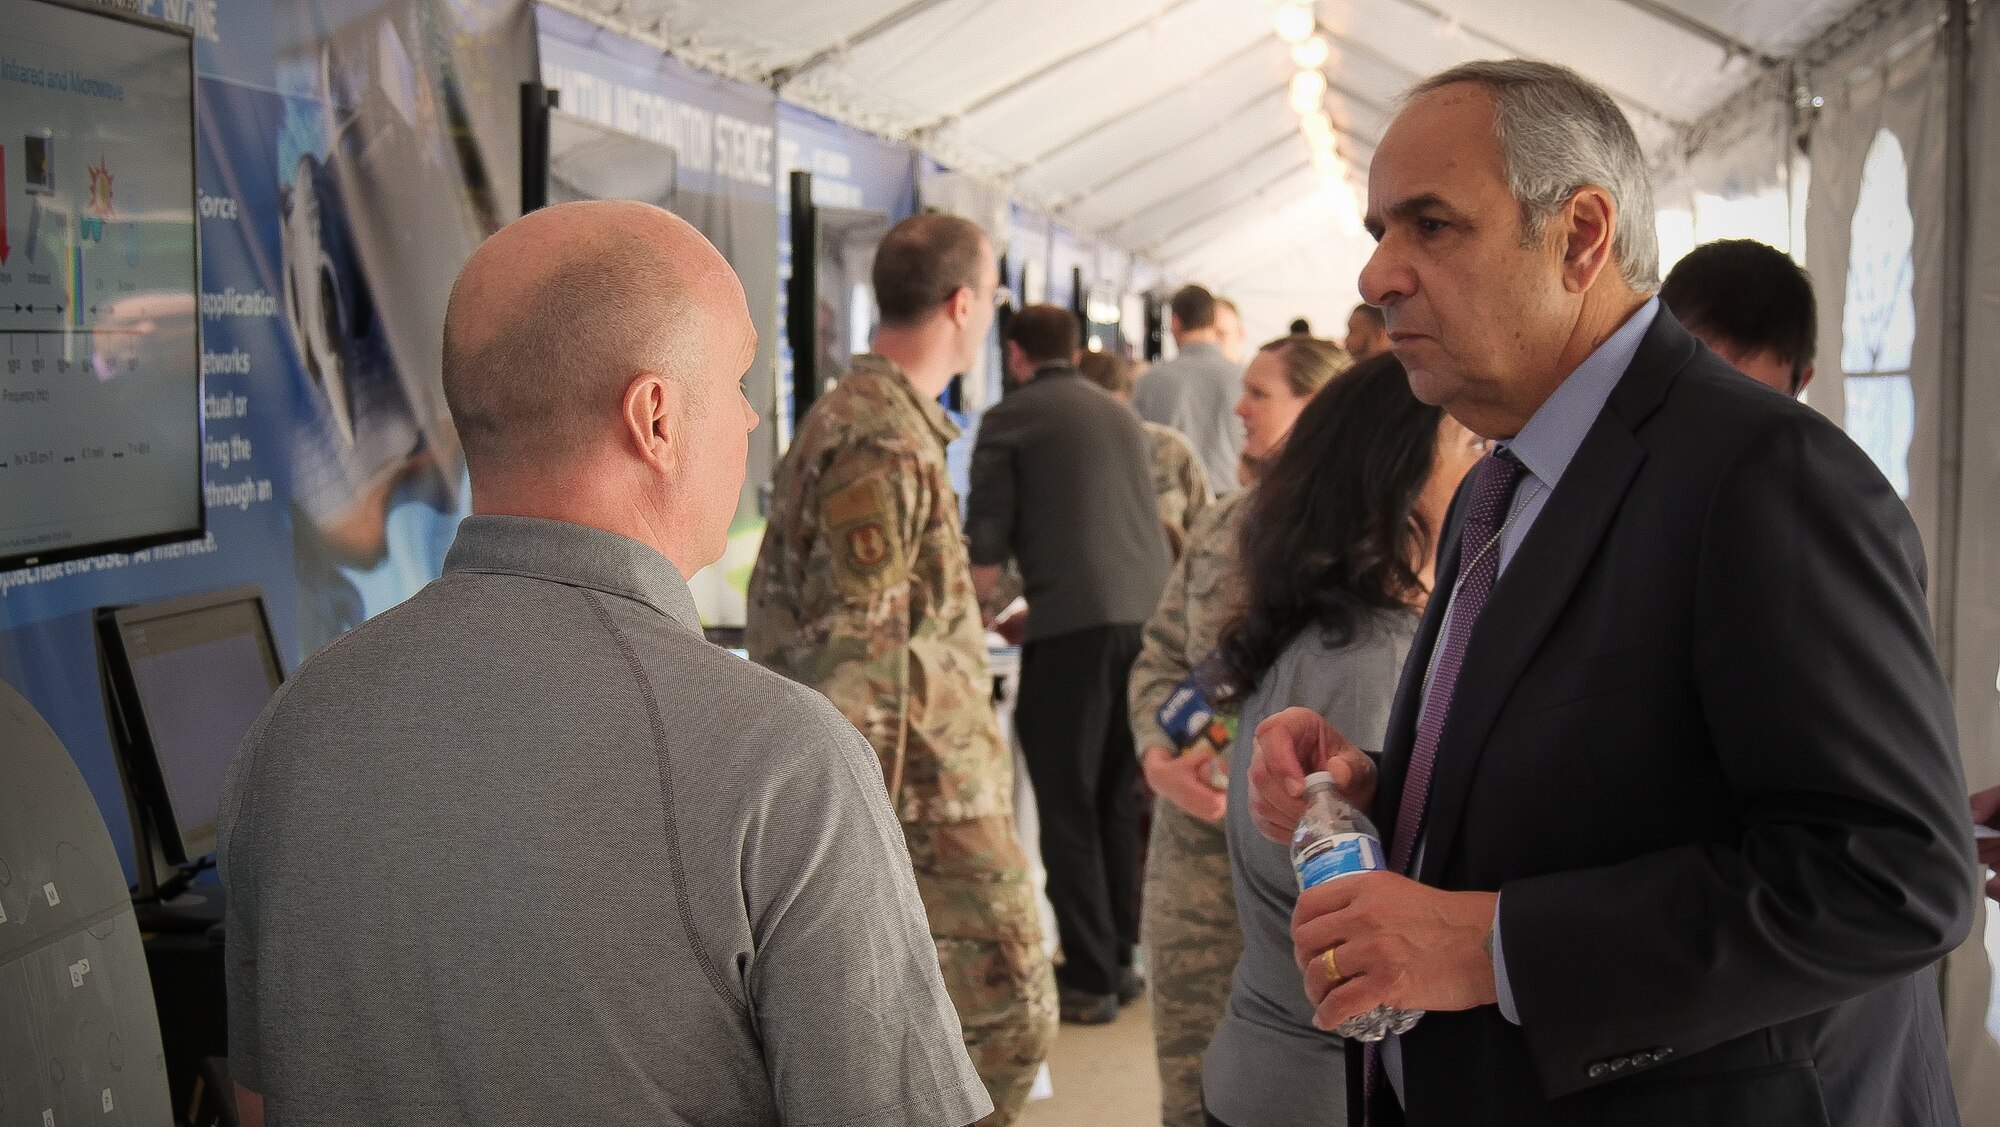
{"points": [[1294, 23], [1312, 54], [1308, 90], [1316, 124]]}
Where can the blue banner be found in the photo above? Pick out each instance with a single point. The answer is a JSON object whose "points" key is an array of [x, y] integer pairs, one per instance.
{"points": [[350, 153]]}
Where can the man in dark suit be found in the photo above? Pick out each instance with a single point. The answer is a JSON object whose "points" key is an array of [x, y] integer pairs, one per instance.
{"points": [[1671, 793], [1062, 483]]}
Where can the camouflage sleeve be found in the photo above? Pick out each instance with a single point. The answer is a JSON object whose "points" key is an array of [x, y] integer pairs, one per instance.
{"points": [[1194, 482], [871, 515], [1162, 661]]}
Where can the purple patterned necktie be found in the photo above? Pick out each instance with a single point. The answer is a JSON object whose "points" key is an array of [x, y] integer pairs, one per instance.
{"points": [[1493, 481]]}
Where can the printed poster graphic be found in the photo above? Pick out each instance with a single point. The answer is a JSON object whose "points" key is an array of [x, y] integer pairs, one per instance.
{"points": [[334, 489]]}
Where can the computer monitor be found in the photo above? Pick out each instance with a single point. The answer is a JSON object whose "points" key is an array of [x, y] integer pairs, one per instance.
{"points": [[100, 381], [184, 681]]}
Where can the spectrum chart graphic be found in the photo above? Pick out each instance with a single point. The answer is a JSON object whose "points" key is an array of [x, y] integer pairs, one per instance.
{"points": [[99, 351]]}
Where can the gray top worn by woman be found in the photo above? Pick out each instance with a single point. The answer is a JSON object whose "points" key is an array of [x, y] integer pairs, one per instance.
{"points": [[1268, 1066]]}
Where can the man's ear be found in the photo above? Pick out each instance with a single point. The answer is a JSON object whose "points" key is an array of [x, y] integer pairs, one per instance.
{"points": [[961, 305], [651, 410], [1590, 224], [1805, 380]]}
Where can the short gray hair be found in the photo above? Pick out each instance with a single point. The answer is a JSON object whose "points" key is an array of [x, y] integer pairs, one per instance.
{"points": [[1559, 131]]}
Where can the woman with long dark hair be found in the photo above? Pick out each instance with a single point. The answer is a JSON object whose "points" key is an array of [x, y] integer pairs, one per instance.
{"points": [[1336, 552], [1188, 921]]}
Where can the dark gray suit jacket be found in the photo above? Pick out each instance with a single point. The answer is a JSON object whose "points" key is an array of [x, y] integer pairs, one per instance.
{"points": [[1062, 481], [1701, 746]]}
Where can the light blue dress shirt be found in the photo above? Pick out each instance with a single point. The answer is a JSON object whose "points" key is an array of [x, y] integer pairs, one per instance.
{"points": [[1545, 447]]}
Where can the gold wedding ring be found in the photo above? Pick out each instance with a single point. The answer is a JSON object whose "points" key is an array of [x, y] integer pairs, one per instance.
{"points": [[1326, 960]]}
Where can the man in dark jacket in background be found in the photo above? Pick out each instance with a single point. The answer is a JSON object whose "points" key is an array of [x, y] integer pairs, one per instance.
{"points": [[1062, 484]]}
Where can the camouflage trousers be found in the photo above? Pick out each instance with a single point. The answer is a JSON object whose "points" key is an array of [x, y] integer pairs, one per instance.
{"points": [[1188, 928], [981, 904]]}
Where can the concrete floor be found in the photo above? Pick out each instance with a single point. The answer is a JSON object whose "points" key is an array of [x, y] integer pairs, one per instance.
{"points": [[1103, 1075]]}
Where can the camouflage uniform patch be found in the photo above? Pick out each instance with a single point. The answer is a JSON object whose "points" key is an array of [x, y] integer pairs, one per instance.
{"points": [[863, 590], [869, 557]]}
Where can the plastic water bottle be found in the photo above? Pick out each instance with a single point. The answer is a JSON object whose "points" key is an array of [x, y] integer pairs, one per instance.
{"points": [[1335, 840]]}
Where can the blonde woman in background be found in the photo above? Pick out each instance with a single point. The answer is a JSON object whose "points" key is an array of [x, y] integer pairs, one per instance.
{"points": [[1188, 924]]}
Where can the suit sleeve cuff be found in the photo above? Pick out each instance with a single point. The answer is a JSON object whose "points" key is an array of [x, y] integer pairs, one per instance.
{"points": [[1500, 984]]}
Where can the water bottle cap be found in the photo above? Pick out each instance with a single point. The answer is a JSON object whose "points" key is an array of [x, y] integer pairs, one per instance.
{"points": [[1318, 778]]}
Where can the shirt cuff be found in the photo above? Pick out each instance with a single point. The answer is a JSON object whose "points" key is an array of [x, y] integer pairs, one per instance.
{"points": [[1500, 986]]}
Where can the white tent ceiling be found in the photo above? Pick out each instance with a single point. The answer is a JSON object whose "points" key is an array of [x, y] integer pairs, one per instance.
{"points": [[1163, 125]]}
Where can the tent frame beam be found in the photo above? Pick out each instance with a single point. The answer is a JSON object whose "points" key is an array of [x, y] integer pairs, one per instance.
{"points": [[1957, 265], [783, 76], [1123, 116], [1234, 167], [1227, 211], [1016, 85], [1670, 14], [1446, 19], [1204, 135]]}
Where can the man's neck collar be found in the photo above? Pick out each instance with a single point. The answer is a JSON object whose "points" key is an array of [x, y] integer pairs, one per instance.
{"points": [[922, 357], [1597, 323]]}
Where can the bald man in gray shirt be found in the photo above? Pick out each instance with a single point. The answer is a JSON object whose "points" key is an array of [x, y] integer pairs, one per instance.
{"points": [[527, 849]]}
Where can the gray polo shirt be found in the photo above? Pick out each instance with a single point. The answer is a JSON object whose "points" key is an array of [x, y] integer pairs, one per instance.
{"points": [[528, 850], [1196, 393], [1062, 481]]}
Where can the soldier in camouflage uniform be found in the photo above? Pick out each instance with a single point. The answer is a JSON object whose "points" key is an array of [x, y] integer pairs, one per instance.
{"points": [[1180, 485], [1189, 928], [1188, 923], [863, 591]]}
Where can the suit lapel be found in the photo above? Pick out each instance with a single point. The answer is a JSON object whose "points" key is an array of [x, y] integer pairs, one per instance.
{"points": [[1538, 581]]}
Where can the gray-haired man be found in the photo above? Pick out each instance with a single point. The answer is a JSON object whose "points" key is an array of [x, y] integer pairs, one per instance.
{"points": [[1675, 821]]}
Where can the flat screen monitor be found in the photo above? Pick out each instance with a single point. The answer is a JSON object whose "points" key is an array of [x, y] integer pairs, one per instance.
{"points": [[100, 356], [186, 680]]}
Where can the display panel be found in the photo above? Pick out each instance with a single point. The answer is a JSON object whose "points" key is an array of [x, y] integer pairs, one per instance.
{"points": [[100, 390], [199, 672]]}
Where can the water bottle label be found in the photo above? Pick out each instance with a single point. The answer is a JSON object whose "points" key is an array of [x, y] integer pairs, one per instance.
{"points": [[1338, 856]]}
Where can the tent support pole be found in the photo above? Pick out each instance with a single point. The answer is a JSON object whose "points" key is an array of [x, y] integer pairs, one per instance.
{"points": [[1951, 399]]}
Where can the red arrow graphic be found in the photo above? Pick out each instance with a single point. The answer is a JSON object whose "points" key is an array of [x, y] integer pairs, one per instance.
{"points": [[5, 250]]}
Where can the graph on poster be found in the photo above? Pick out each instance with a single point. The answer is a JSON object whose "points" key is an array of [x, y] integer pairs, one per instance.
{"points": [[100, 405]]}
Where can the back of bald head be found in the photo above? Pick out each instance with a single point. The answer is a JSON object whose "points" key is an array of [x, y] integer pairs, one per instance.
{"points": [[556, 313], [921, 262]]}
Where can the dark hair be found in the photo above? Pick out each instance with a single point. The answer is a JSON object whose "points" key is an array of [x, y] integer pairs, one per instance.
{"points": [[1372, 313], [924, 260], [1751, 295], [1194, 307], [1115, 372], [1332, 529], [1046, 333], [1301, 327]]}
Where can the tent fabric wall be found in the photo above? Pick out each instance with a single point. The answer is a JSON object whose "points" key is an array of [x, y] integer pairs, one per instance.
{"points": [[1865, 97], [1737, 184], [1977, 659], [1976, 687], [1872, 89]]}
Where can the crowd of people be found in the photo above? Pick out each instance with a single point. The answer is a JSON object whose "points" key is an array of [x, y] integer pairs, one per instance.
{"points": [[1626, 656]]}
